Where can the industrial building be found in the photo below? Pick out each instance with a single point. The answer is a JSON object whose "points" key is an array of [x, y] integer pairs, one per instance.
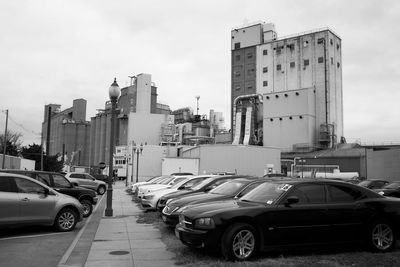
{"points": [[286, 92], [136, 106], [66, 132]]}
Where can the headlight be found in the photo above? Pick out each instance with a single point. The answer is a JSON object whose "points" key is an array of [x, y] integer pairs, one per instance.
{"points": [[381, 193], [169, 200], [148, 196], [204, 223]]}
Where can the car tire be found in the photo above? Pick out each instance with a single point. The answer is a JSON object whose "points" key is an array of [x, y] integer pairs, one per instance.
{"points": [[101, 190], [239, 242], [87, 207], [381, 236], [66, 220]]}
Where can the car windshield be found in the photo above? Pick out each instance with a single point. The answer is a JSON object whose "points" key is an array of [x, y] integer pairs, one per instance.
{"points": [[178, 182], [364, 183], [266, 193], [229, 188], [166, 181], [203, 183], [393, 185]]}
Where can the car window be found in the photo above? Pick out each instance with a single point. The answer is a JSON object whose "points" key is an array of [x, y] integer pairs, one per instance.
{"points": [[248, 189], [193, 182], [309, 194], [177, 180], [215, 184], [267, 192], [61, 181], [88, 177], [228, 188], [29, 187], [5, 184], [44, 178], [77, 175], [343, 194]]}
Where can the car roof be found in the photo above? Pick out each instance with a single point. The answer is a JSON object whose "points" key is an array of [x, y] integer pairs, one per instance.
{"points": [[8, 174]]}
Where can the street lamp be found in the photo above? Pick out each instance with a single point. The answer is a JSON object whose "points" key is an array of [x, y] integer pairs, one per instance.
{"points": [[113, 92], [138, 150]]}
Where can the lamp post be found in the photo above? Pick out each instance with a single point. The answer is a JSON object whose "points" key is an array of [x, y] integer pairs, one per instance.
{"points": [[114, 92], [138, 150], [5, 141]]}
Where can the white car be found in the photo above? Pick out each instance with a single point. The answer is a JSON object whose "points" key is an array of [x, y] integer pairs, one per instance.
{"points": [[152, 180], [150, 200], [87, 181], [145, 189]]}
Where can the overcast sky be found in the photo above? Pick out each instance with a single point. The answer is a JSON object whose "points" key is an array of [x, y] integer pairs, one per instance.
{"points": [[54, 51]]}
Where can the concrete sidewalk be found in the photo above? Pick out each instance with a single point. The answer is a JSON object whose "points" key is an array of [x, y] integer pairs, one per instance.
{"points": [[120, 240]]}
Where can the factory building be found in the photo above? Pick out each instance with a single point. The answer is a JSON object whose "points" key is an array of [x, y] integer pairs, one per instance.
{"points": [[286, 92]]}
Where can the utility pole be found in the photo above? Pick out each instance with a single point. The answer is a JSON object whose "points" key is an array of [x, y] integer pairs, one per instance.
{"points": [[5, 141]]}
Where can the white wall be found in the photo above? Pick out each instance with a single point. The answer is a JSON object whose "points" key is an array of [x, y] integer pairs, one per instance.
{"points": [[143, 99], [17, 163], [171, 165], [251, 160]]}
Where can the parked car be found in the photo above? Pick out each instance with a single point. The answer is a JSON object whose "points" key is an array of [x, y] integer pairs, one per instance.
{"points": [[146, 189], [101, 177], [26, 201], [150, 200], [87, 181], [205, 186], [152, 180], [58, 182], [292, 213], [373, 183], [230, 190], [390, 190]]}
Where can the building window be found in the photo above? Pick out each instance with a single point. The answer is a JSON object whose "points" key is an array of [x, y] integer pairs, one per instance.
{"points": [[265, 69], [249, 55], [265, 83], [249, 87], [306, 62], [320, 40], [278, 67], [305, 43], [320, 60], [237, 45], [237, 88], [237, 73], [250, 71], [331, 41], [292, 64], [278, 51], [337, 46], [291, 47], [331, 60], [265, 52], [237, 57], [338, 65]]}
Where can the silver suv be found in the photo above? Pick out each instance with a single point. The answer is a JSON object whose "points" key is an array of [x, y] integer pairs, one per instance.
{"points": [[25, 201], [86, 180]]}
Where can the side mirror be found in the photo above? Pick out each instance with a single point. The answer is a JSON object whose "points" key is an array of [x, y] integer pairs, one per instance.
{"points": [[45, 191], [291, 200]]}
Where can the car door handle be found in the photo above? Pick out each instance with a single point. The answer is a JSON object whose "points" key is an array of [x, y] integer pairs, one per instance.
{"points": [[25, 199]]}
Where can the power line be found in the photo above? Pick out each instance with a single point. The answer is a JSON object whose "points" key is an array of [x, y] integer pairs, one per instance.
{"points": [[23, 127]]}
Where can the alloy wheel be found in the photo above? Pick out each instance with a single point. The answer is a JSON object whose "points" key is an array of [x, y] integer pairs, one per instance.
{"points": [[243, 244], [382, 236], [66, 220]]}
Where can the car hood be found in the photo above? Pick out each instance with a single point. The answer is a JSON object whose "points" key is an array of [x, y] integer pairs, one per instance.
{"points": [[163, 191], [211, 208], [152, 187]]}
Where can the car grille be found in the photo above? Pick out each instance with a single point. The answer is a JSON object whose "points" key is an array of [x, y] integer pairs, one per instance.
{"points": [[163, 201]]}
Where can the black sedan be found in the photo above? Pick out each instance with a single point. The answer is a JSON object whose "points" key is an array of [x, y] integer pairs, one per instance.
{"points": [[205, 186], [296, 212], [390, 190], [232, 189]]}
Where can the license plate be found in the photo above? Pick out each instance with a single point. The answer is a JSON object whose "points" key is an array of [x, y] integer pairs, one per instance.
{"points": [[177, 233], [164, 218]]}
